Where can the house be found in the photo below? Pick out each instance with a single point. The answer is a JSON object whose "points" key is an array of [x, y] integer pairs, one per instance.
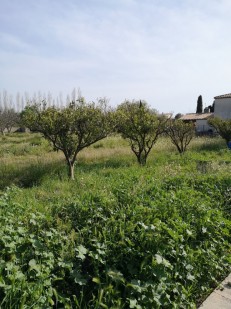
{"points": [[222, 109], [223, 106], [200, 121]]}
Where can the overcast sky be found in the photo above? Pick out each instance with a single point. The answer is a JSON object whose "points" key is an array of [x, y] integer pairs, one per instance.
{"points": [[167, 52]]}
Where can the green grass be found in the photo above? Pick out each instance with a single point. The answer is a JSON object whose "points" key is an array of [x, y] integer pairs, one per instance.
{"points": [[120, 235]]}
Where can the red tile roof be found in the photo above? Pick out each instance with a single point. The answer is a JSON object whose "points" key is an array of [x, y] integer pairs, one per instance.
{"points": [[223, 96]]}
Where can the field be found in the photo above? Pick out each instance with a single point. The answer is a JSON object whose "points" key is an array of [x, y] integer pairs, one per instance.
{"points": [[119, 235]]}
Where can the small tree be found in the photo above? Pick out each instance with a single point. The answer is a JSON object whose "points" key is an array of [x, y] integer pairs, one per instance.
{"points": [[199, 105], [223, 127], [70, 129], [140, 125], [12, 119], [180, 133], [8, 119]]}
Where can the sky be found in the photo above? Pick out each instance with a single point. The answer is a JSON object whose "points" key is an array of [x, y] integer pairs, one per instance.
{"points": [[167, 52]]}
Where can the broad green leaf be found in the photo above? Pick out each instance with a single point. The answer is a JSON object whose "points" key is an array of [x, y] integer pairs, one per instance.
{"points": [[82, 251]]}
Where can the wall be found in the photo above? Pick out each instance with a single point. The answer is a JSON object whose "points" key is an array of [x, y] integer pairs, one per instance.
{"points": [[223, 108], [202, 126]]}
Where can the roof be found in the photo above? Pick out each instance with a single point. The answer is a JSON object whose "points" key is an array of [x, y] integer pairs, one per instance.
{"points": [[223, 96], [193, 116]]}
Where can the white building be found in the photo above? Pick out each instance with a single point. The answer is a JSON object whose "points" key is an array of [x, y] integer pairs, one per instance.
{"points": [[200, 121], [223, 106]]}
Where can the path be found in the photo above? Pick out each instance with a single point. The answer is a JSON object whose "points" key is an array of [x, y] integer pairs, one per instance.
{"points": [[220, 298]]}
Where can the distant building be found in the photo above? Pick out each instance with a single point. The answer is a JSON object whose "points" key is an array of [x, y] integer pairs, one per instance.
{"points": [[200, 121], [222, 109], [167, 115], [223, 106]]}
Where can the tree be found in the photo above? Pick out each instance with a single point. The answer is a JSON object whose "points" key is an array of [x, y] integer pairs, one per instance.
{"points": [[12, 119], [141, 125], [223, 127], [2, 122], [212, 107], [199, 105], [8, 119], [180, 133], [178, 116], [70, 129]]}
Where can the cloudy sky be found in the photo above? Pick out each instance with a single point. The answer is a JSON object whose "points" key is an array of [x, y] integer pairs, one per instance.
{"points": [[167, 52]]}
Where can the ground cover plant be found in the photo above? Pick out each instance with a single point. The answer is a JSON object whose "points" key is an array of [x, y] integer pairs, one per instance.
{"points": [[120, 235]]}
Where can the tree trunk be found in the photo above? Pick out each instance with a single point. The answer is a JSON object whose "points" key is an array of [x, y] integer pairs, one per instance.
{"points": [[142, 158], [71, 170]]}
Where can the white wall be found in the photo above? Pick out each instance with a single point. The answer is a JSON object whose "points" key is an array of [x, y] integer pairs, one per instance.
{"points": [[223, 108], [202, 125]]}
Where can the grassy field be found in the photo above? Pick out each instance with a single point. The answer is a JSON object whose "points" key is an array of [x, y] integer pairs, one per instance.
{"points": [[120, 235]]}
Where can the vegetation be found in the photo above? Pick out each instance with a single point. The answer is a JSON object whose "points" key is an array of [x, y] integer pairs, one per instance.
{"points": [[8, 119], [212, 107], [119, 236], [180, 133], [223, 127], [199, 105], [178, 116], [70, 129], [141, 126]]}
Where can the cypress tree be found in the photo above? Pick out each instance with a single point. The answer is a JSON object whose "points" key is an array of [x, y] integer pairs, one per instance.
{"points": [[199, 105], [212, 107]]}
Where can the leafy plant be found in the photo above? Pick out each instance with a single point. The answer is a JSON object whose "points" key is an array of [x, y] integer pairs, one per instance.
{"points": [[119, 236]]}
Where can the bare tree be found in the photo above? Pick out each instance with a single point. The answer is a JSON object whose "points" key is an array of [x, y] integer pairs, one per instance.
{"points": [[68, 100], [18, 98], [73, 95]]}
